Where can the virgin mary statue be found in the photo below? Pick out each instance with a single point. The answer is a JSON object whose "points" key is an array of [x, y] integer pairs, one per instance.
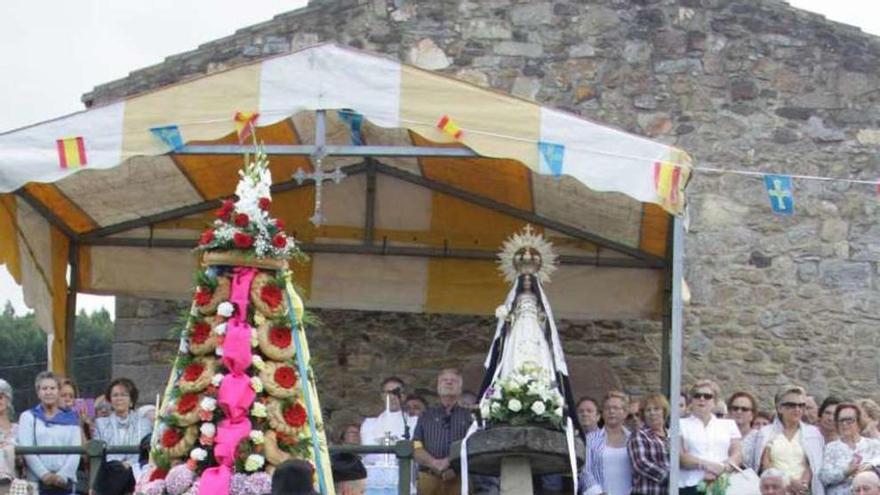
{"points": [[525, 335]]}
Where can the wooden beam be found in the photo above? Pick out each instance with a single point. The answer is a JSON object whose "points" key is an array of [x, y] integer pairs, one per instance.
{"points": [[46, 213]]}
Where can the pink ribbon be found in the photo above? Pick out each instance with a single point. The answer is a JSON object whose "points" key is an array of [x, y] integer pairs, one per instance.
{"points": [[235, 395]]}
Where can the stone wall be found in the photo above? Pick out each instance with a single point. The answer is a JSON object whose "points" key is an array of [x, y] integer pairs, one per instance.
{"points": [[751, 85]]}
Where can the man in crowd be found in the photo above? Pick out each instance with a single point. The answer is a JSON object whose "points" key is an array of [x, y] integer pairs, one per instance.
{"points": [[438, 427], [866, 483], [349, 474], [392, 422], [811, 412], [773, 482], [415, 405]]}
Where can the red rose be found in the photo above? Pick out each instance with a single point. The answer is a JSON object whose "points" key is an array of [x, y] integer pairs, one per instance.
{"points": [[295, 415], [225, 209], [285, 377], [242, 220], [271, 295], [193, 372], [279, 224], [279, 241], [170, 438], [242, 240], [159, 473], [200, 332], [203, 296], [187, 403], [207, 237], [280, 337], [264, 203]]}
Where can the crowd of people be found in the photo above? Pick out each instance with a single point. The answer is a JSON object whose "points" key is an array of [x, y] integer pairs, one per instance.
{"points": [[802, 446]]}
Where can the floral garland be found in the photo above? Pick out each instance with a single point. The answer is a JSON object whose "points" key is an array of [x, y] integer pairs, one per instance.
{"points": [[197, 375], [202, 339], [267, 296], [177, 443], [286, 417], [524, 397], [279, 379], [207, 298]]}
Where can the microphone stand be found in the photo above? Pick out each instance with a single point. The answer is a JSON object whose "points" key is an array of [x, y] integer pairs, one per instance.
{"points": [[397, 394]]}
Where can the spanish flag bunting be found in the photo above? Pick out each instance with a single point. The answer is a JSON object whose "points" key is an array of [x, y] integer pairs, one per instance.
{"points": [[449, 127], [71, 152], [244, 124], [667, 182]]}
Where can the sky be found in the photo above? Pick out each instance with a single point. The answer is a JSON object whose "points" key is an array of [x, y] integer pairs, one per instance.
{"points": [[53, 51]]}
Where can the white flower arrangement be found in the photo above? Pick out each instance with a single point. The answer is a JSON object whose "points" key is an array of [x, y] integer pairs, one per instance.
{"points": [[257, 437], [225, 309], [208, 404], [198, 454], [258, 410], [208, 429], [254, 462], [525, 397]]}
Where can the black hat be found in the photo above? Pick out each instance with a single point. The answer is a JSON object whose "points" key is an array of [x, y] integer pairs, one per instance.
{"points": [[347, 467], [113, 478], [293, 477]]}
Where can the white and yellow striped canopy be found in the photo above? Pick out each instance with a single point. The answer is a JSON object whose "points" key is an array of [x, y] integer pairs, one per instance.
{"points": [[615, 188]]}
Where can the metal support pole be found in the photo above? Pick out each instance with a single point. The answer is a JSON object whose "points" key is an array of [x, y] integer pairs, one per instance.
{"points": [[70, 313], [675, 353], [404, 451], [320, 138], [370, 207]]}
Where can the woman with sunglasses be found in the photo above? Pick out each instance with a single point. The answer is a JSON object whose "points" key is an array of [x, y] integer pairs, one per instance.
{"points": [[741, 407], [709, 445], [792, 446], [848, 456]]}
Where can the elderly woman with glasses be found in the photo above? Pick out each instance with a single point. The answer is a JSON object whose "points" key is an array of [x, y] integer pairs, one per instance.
{"points": [[124, 426], [790, 445], [709, 445], [848, 456]]}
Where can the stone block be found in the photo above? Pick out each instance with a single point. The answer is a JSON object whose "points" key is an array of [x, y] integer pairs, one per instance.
{"points": [[427, 55], [526, 87], [532, 14], [838, 274], [486, 29], [679, 66], [518, 49], [582, 50]]}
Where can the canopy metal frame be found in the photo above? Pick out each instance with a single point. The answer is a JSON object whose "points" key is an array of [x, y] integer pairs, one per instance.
{"points": [[632, 257]]}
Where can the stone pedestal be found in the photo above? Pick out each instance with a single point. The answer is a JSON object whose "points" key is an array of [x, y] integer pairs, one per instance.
{"points": [[516, 453]]}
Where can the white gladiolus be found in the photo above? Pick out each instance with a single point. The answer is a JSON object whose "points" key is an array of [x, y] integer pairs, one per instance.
{"points": [[256, 384], [198, 454], [258, 363], [558, 411], [208, 429], [484, 410], [184, 346], [538, 407], [225, 309], [217, 379], [208, 404], [514, 405], [258, 410], [495, 407]]}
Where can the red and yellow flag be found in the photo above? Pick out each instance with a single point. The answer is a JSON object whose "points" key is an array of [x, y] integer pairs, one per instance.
{"points": [[244, 124], [71, 152], [667, 182], [449, 127]]}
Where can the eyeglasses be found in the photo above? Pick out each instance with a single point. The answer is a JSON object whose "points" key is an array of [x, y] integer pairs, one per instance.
{"points": [[846, 421], [705, 396], [740, 409], [793, 405]]}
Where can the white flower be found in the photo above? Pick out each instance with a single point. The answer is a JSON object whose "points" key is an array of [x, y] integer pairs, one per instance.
{"points": [[495, 407], [496, 393], [258, 410], [198, 454], [254, 462], [514, 405], [558, 411], [538, 407], [217, 379], [254, 342], [258, 362], [208, 429], [208, 404], [219, 352], [257, 437], [501, 312], [225, 309], [484, 410], [220, 329], [184, 346], [256, 384]]}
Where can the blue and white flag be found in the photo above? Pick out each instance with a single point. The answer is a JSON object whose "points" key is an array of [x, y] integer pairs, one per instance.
{"points": [[551, 156], [354, 121], [170, 135], [781, 193]]}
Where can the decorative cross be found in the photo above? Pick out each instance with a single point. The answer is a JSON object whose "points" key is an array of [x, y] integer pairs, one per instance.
{"points": [[779, 194], [319, 177]]}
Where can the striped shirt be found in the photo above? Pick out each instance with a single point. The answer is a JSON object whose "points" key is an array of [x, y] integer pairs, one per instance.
{"points": [[436, 430], [649, 454], [592, 478]]}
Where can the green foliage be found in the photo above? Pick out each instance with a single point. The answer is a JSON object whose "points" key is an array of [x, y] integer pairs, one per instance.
{"points": [[23, 353]]}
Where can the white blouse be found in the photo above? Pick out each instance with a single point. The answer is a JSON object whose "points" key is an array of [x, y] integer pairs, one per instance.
{"points": [[836, 461], [710, 441]]}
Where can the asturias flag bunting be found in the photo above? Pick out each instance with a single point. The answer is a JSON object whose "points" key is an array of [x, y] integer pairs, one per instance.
{"points": [[781, 194], [71, 152], [244, 124], [354, 121], [551, 156], [449, 127], [170, 135]]}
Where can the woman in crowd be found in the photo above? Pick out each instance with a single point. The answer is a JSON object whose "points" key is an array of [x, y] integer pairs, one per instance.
{"points": [[709, 445], [852, 453], [7, 437], [791, 445], [870, 417], [588, 414], [649, 448], [124, 426], [762, 419], [741, 408], [827, 425], [350, 434], [48, 424], [608, 470]]}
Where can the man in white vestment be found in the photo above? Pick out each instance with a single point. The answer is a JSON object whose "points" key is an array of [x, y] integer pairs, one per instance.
{"points": [[391, 425]]}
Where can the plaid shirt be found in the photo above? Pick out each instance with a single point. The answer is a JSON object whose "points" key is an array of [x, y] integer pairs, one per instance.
{"points": [[649, 454]]}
